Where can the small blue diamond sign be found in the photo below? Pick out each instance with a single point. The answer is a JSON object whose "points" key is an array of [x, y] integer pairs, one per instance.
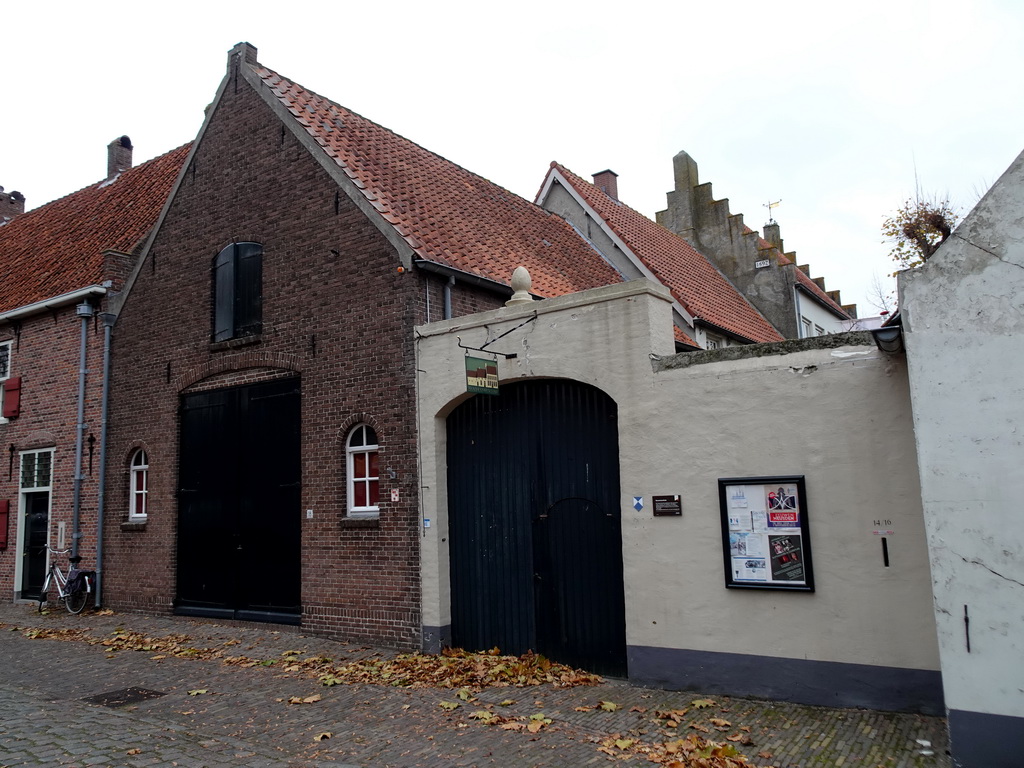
{"points": [[638, 503]]}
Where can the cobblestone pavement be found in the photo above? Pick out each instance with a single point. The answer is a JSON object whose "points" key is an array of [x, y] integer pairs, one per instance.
{"points": [[242, 716]]}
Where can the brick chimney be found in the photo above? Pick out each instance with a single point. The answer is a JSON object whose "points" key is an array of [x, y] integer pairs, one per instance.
{"points": [[119, 156], [606, 182], [11, 204]]}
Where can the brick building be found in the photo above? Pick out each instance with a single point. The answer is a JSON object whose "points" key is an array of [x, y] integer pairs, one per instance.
{"points": [[59, 266], [264, 364]]}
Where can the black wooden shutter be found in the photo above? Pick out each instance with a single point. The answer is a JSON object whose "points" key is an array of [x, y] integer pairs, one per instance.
{"points": [[224, 294]]}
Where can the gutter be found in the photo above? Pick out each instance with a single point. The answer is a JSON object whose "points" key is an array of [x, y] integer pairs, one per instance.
{"points": [[63, 300], [822, 304], [466, 277]]}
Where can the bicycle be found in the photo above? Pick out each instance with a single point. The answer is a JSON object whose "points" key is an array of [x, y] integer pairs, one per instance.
{"points": [[73, 589]]}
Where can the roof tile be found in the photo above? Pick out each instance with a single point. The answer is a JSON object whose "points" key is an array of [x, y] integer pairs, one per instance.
{"points": [[447, 214], [58, 247], [697, 285]]}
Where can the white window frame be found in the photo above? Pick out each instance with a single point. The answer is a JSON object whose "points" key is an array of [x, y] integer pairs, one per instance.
{"points": [[134, 493], [5, 373], [366, 449]]}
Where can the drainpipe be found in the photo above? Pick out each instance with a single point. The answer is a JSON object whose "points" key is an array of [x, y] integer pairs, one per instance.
{"points": [[448, 297], [85, 312], [107, 318], [799, 314]]}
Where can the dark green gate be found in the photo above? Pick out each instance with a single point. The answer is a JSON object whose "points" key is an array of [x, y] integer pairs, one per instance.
{"points": [[239, 534], [536, 543]]}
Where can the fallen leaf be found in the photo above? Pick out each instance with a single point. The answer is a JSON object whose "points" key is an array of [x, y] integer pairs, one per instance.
{"points": [[623, 743], [135, 751], [506, 703], [702, 703], [322, 736], [583, 709], [450, 705], [641, 710], [608, 706], [197, 692], [765, 755], [534, 725], [157, 657], [312, 699], [719, 722]]}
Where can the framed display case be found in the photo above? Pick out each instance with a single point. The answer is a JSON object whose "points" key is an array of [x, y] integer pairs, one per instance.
{"points": [[766, 541]]}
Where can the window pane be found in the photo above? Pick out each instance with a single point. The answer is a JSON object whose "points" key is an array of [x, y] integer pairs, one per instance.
{"points": [[357, 438], [373, 465], [371, 436], [249, 289], [140, 481], [140, 506], [358, 465], [374, 493], [43, 469], [28, 470], [360, 494], [5, 360]]}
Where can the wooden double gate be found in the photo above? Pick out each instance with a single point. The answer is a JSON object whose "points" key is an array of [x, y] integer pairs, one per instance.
{"points": [[239, 526], [536, 541]]}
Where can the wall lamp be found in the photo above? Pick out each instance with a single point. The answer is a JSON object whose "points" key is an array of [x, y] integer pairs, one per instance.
{"points": [[889, 340]]}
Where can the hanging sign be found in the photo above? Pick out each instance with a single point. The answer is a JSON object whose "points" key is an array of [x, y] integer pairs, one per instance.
{"points": [[765, 536], [481, 376]]}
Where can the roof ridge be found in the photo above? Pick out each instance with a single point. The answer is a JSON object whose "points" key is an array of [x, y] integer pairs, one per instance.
{"points": [[94, 184]]}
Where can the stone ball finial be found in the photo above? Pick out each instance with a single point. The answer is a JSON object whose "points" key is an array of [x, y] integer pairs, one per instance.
{"points": [[521, 284]]}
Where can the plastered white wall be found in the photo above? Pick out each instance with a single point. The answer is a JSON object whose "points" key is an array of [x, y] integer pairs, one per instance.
{"points": [[839, 416], [963, 315]]}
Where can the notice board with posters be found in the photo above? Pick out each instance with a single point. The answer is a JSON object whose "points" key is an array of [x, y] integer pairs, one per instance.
{"points": [[766, 538]]}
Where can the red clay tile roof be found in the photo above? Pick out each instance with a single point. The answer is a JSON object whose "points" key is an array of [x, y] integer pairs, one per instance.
{"points": [[58, 247], [447, 214], [697, 285]]}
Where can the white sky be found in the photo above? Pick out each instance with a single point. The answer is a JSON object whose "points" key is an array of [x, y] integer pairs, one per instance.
{"points": [[830, 107]]}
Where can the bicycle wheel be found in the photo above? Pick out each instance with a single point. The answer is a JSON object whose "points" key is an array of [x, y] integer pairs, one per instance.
{"points": [[42, 591], [75, 601]]}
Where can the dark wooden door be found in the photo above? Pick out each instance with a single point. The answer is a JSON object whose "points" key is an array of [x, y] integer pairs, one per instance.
{"points": [[239, 526], [536, 544], [37, 519]]}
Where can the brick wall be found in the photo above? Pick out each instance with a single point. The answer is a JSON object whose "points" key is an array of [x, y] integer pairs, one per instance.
{"points": [[45, 354], [336, 312]]}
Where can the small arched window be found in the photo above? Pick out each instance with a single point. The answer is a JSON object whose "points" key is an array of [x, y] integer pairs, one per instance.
{"points": [[138, 486], [363, 472]]}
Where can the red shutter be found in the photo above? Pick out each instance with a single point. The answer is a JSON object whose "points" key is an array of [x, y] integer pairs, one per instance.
{"points": [[12, 397], [5, 507]]}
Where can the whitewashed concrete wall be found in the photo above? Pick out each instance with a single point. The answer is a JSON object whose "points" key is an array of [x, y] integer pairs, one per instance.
{"points": [[833, 409], [963, 316]]}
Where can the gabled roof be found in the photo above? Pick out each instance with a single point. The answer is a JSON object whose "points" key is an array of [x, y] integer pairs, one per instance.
{"points": [[695, 283], [58, 248], [446, 214]]}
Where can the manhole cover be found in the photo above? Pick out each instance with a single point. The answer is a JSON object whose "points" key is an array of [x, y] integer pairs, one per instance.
{"points": [[123, 697]]}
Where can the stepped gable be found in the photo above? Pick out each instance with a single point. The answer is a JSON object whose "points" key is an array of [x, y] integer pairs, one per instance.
{"points": [[702, 290], [58, 247], [805, 281], [445, 213]]}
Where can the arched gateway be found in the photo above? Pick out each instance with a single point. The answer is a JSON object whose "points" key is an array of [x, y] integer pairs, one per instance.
{"points": [[536, 542]]}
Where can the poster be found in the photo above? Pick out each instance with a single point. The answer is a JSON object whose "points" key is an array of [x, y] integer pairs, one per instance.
{"points": [[766, 537]]}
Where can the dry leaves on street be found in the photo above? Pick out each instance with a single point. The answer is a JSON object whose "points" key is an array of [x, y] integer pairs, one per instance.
{"points": [[452, 668]]}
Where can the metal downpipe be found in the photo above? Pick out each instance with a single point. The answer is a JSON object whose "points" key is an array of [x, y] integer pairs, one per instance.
{"points": [[85, 312], [108, 319]]}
